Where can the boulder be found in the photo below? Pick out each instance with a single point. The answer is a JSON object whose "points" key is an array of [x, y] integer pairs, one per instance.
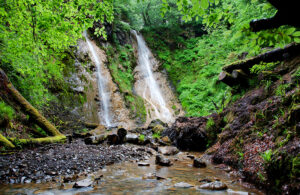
{"points": [[199, 163], [160, 160], [156, 122], [188, 133], [216, 185], [168, 150], [158, 129]]}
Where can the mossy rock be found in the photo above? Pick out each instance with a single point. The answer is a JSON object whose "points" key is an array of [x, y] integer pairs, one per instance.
{"points": [[158, 129]]}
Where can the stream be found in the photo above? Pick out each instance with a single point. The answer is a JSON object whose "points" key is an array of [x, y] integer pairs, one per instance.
{"points": [[129, 178]]}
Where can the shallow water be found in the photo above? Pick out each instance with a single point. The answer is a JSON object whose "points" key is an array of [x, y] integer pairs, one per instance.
{"points": [[129, 178]]}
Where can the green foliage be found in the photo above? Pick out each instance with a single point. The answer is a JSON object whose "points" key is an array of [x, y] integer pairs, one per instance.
{"points": [[267, 155], [6, 111], [296, 166], [194, 63], [156, 135], [211, 131], [142, 138], [34, 35], [263, 67]]}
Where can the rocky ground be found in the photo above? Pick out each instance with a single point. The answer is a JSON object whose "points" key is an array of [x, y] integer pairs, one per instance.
{"points": [[47, 163]]}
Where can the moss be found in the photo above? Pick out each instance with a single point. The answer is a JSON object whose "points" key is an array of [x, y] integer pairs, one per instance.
{"points": [[6, 142], [158, 129], [39, 141], [211, 131]]}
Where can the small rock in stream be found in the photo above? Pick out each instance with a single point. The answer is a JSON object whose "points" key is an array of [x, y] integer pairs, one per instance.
{"points": [[183, 185], [143, 164], [160, 160], [83, 183], [216, 185], [199, 163]]}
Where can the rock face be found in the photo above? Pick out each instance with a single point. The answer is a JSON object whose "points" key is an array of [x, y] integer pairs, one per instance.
{"points": [[216, 185], [199, 163], [160, 160], [188, 133]]}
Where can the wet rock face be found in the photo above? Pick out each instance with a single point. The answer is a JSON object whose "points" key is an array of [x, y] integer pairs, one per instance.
{"points": [[188, 133]]}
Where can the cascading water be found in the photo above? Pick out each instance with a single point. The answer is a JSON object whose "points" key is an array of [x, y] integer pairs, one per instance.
{"points": [[104, 94], [151, 93]]}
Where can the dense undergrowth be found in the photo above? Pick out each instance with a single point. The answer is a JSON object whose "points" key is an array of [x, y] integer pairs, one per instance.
{"points": [[194, 62]]}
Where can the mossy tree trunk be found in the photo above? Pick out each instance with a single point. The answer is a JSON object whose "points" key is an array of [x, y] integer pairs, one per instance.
{"points": [[12, 94], [6, 142]]}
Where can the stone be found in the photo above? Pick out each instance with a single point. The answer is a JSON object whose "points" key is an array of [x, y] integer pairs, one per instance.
{"points": [[168, 150], [205, 180], [198, 162], [160, 160], [156, 122], [132, 138], [166, 139], [158, 128], [143, 164], [83, 183], [216, 185], [190, 156], [183, 185]]}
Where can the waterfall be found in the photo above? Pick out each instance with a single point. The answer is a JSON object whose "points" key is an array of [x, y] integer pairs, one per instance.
{"points": [[151, 93], [104, 94]]}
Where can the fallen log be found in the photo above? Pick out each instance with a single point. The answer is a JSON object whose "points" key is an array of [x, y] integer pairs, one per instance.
{"points": [[40, 141], [227, 78], [112, 137], [6, 142], [275, 55], [7, 87], [240, 77]]}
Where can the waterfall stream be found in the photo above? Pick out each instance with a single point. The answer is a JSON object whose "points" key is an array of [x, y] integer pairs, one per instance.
{"points": [[104, 94], [152, 93]]}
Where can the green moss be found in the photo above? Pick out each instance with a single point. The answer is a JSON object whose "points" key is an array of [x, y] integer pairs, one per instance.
{"points": [[211, 131], [6, 111]]}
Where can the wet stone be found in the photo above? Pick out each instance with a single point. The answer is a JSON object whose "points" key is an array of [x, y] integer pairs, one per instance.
{"points": [[143, 164], [168, 150], [160, 160], [199, 163], [83, 183], [183, 185], [216, 185]]}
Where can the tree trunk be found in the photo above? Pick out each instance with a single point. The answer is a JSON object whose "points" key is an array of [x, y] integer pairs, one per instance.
{"points": [[41, 141], [278, 54], [13, 94], [226, 78], [6, 142]]}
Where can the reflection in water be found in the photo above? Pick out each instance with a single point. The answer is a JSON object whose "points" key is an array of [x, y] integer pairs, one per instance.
{"points": [[129, 178]]}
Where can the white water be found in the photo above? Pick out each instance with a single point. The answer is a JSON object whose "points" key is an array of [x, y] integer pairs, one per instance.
{"points": [[104, 94], [152, 93]]}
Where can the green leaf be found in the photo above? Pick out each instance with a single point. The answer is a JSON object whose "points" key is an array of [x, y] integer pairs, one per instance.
{"points": [[204, 4]]}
